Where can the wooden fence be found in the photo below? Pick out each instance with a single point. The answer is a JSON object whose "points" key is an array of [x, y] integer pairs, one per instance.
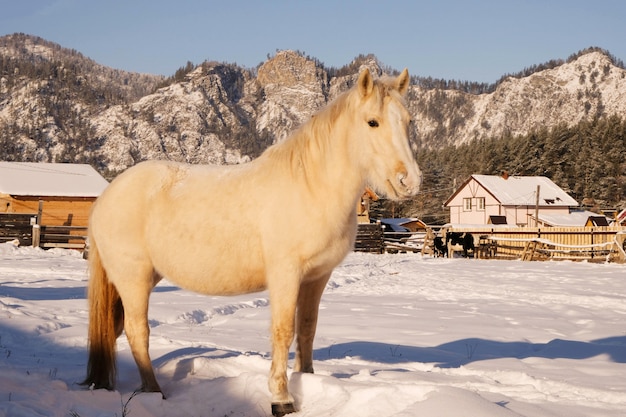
{"points": [[67, 237], [17, 226], [26, 229], [526, 243], [532, 243], [369, 238]]}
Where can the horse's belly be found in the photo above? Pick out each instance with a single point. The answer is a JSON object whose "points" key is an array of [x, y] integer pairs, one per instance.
{"points": [[213, 275], [218, 283]]}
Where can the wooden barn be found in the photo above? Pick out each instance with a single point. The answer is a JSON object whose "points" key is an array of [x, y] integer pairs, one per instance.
{"points": [[62, 194]]}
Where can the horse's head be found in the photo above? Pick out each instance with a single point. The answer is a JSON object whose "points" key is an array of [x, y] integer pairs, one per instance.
{"points": [[381, 136]]}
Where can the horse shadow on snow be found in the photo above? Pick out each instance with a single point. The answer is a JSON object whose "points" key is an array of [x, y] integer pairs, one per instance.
{"points": [[464, 351]]}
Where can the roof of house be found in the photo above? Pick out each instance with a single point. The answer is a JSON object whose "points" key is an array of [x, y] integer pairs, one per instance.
{"points": [[574, 218], [398, 224], [521, 191], [51, 180]]}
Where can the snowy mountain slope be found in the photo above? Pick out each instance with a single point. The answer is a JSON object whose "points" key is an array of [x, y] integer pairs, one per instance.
{"points": [[579, 90], [57, 105]]}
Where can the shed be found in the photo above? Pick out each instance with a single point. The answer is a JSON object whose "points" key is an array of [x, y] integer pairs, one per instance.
{"points": [[515, 198], [63, 192], [495, 219], [404, 224], [597, 221]]}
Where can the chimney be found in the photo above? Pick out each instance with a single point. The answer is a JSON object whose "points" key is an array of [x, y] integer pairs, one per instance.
{"points": [[505, 175]]}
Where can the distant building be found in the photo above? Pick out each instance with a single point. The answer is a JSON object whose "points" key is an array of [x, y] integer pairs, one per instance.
{"points": [[512, 200], [65, 192], [404, 224], [573, 218]]}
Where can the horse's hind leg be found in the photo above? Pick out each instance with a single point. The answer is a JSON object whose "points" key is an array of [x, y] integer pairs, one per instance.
{"points": [[135, 294], [306, 322]]}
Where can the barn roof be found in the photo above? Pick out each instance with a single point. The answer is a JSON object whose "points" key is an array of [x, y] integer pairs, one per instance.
{"points": [[51, 180], [521, 191]]}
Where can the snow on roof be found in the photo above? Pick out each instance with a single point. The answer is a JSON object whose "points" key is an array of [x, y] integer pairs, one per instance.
{"points": [[52, 180], [399, 220], [574, 218], [521, 191], [397, 224]]}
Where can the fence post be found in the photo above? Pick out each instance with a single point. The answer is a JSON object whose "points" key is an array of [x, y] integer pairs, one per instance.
{"points": [[40, 212], [37, 226], [592, 242], [36, 235]]}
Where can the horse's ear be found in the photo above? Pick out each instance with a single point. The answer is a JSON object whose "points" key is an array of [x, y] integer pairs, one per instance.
{"points": [[403, 81], [365, 84]]}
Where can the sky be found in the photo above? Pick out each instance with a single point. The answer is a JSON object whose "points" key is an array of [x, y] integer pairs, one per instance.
{"points": [[450, 39]]}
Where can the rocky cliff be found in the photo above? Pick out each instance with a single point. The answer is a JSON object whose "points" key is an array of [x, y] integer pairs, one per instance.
{"points": [[56, 105], [585, 88]]}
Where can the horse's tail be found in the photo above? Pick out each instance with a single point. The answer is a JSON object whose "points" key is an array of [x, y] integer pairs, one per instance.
{"points": [[106, 322]]}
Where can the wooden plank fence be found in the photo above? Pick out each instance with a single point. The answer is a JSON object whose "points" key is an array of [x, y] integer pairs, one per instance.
{"points": [[404, 242], [369, 238], [527, 243], [376, 238], [67, 237], [599, 243], [17, 226], [25, 228]]}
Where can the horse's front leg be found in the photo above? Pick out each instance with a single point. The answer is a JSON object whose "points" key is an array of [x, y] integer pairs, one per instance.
{"points": [[306, 322], [283, 298]]}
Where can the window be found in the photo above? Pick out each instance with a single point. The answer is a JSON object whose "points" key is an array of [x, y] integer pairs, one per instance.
{"points": [[480, 203], [467, 204]]}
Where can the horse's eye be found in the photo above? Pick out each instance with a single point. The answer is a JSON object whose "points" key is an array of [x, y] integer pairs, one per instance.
{"points": [[373, 123]]}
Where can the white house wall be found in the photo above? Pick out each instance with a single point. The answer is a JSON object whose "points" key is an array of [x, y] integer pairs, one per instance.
{"points": [[474, 191], [515, 215]]}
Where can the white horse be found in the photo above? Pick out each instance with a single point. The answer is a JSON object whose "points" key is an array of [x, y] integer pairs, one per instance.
{"points": [[283, 222]]}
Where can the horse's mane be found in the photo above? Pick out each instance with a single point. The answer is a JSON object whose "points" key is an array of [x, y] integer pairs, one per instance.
{"points": [[320, 123], [307, 144]]}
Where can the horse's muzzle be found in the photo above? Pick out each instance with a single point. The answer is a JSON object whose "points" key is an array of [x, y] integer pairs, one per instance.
{"points": [[409, 182]]}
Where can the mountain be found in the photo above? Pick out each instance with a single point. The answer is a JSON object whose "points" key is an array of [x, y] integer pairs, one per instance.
{"points": [[584, 88], [50, 96], [57, 105]]}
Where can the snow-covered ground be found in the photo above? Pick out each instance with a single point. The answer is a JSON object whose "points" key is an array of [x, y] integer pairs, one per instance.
{"points": [[399, 335]]}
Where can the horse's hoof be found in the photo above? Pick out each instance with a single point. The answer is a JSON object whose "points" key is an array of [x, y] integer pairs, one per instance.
{"points": [[155, 390], [280, 409]]}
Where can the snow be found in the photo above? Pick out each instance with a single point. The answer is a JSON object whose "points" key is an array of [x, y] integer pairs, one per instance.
{"points": [[398, 335], [573, 218], [50, 179], [516, 190]]}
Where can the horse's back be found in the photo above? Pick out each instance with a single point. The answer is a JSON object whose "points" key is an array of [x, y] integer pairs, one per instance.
{"points": [[128, 196], [175, 217]]}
